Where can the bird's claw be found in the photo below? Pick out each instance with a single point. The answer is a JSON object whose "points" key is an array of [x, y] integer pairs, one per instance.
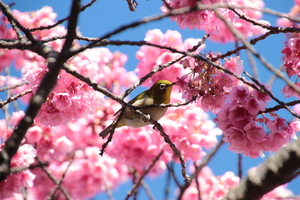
{"points": [[148, 118]]}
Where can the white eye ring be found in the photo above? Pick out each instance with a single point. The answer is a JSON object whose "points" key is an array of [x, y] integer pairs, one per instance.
{"points": [[162, 86]]}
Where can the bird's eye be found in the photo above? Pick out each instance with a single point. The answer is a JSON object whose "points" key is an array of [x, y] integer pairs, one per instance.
{"points": [[162, 86]]}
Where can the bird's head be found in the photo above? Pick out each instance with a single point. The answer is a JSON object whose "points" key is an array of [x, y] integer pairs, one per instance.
{"points": [[161, 91]]}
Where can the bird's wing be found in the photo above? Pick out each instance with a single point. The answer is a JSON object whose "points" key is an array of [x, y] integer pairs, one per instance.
{"points": [[144, 100]]}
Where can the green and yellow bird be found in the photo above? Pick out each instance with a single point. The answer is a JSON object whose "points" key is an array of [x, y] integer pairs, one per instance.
{"points": [[159, 93]]}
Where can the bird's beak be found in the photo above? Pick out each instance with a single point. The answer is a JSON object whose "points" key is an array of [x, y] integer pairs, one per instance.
{"points": [[173, 83]]}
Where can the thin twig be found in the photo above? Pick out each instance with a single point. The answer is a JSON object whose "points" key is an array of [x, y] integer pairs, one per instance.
{"points": [[252, 65], [168, 182], [138, 182], [273, 78], [109, 193], [15, 23], [19, 169], [278, 73], [14, 98], [240, 37], [147, 190], [197, 184], [132, 4], [51, 196], [168, 105], [62, 20], [240, 168], [54, 180], [278, 107], [113, 127], [9, 87], [171, 170], [174, 149], [55, 62], [198, 169], [281, 103]]}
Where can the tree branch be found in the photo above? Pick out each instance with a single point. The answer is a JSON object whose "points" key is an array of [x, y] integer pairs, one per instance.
{"points": [[276, 171]]}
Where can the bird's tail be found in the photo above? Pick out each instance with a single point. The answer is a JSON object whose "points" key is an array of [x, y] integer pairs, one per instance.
{"points": [[105, 132]]}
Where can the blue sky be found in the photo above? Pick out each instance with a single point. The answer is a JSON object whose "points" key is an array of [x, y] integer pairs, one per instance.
{"points": [[106, 16]]}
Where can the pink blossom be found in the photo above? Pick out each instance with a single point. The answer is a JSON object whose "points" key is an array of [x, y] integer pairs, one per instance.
{"points": [[34, 134], [63, 144], [190, 93], [283, 22], [209, 21], [255, 133], [16, 118], [237, 113], [243, 129], [206, 83], [278, 139], [262, 97], [151, 57], [212, 187], [254, 106], [235, 65], [62, 101], [88, 170], [216, 187], [238, 94], [12, 184], [71, 98]]}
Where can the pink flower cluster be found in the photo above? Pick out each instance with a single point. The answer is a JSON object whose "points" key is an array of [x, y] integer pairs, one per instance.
{"points": [[88, 170], [151, 57], [291, 56], [192, 130], [291, 50], [211, 187], [237, 107], [68, 103], [57, 146], [6, 55], [207, 83], [79, 113], [42, 17], [239, 122], [216, 187], [24, 178], [208, 21], [71, 98]]}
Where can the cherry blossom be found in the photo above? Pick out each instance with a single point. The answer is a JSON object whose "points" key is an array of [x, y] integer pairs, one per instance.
{"points": [[151, 57], [24, 178], [208, 20]]}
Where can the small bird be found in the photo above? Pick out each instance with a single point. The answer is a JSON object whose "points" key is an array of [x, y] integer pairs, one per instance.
{"points": [[159, 93]]}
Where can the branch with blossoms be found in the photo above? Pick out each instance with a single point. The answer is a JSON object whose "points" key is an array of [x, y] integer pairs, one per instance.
{"points": [[68, 111], [14, 98], [135, 109], [54, 62], [141, 177], [56, 182], [268, 176]]}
